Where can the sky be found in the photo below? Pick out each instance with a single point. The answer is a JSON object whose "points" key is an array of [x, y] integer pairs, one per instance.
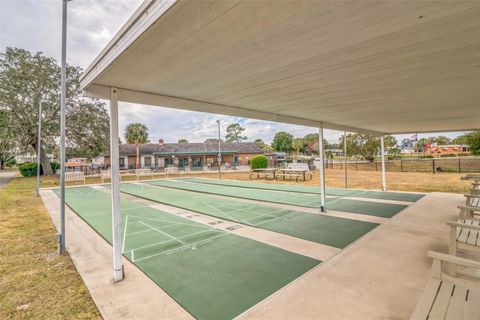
{"points": [[36, 26]]}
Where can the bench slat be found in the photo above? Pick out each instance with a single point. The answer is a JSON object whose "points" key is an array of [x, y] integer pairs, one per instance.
{"points": [[464, 233], [457, 303], [426, 301], [472, 305], [440, 304]]}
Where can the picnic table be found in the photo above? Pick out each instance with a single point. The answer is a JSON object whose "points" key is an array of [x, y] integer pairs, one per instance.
{"points": [[263, 173], [294, 173]]}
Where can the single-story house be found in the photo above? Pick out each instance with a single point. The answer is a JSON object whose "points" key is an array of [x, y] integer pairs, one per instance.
{"points": [[194, 156]]}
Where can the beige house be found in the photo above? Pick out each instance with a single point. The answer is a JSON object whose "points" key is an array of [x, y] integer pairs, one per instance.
{"points": [[194, 156]]}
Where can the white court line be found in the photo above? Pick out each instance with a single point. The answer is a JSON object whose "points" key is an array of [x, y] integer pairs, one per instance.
{"points": [[273, 220], [164, 233], [124, 233], [139, 232], [206, 204], [179, 223], [165, 241], [182, 247]]}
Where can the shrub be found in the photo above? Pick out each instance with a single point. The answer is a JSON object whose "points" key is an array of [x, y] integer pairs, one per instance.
{"points": [[11, 162], [55, 166], [428, 156], [259, 162], [29, 169]]}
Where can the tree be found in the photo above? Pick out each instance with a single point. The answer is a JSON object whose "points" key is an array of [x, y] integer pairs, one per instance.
{"points": [[473, 141], [406, 144], [212, 140], [440, 140], [361, 145], [462, 139], [136, 133], [262, 145], [26, 80], [234, 133], [7, 141], [282, 141], [183, 141], [297, 144]]}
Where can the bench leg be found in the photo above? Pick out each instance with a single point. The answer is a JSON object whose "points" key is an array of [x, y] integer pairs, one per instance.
{"points": [[452, 250]]}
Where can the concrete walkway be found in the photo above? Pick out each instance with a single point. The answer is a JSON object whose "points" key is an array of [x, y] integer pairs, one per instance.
{"points": [[381, 276], [5, 177]]}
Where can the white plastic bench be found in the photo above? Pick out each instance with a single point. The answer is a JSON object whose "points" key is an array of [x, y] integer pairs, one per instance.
{"points": [[171, 170], [75, 176], [448, 296], [143, 172], [105, 174]]}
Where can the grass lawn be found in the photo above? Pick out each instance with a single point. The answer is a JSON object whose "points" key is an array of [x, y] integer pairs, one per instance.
{"points": [[35, 283], [396, 181]]}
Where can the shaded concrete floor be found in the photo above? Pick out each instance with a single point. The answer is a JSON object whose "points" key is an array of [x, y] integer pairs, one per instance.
{"points": [[381, 276]]}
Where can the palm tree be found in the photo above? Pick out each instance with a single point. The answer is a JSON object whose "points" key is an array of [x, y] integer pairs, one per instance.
{"points": [[136, 133]]}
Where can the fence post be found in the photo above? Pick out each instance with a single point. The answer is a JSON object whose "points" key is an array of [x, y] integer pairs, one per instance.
{"points": [[401, 165], [376, 165], [433, 166], [459, 166], [356, 165]]}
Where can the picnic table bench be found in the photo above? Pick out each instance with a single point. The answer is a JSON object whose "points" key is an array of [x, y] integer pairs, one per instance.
{"points": [[448, 296], [105, 174], [294, 174], [263, 173]]}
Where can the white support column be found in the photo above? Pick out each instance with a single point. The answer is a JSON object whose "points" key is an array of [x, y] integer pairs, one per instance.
{"points": [[322, 169], [345, 158], [384, 178], [115, 164]]}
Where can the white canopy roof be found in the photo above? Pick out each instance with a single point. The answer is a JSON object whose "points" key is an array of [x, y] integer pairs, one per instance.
{"points": [[376, 66]]}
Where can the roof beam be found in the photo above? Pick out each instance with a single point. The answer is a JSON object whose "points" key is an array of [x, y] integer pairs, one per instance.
{"points": [[126, 95]]}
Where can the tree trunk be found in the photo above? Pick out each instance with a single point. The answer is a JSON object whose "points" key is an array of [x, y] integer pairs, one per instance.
{"points": [[138, 158], [1, 164], [46, 166]]}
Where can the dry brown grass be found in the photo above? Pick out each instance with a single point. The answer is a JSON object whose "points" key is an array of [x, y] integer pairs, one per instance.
{"points": [[36, 283], [400, 181]]}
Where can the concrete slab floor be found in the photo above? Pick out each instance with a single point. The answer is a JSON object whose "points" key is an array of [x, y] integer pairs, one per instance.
{"points": [[381, 276]]}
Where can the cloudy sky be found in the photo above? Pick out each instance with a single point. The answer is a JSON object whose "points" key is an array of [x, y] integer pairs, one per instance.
{"points": [[36, 25]]}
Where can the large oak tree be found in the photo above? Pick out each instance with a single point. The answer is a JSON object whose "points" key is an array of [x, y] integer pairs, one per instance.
{"points": [[28, 80]]}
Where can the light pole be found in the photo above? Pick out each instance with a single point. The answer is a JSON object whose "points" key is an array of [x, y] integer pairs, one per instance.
{"points": [[63, 83], [219, 153], [39, 137]]}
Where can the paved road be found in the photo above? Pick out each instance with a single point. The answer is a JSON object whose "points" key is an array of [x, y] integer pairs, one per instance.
{"points": [[5, 177]]}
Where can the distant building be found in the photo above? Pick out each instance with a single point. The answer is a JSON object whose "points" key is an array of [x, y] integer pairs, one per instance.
{"points": [[194, 156], [445, 149]]}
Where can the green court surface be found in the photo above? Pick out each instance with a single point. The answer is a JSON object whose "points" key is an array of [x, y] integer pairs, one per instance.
{"points": [[396, 196], [332, 231], [211, 273], [386, 210]]}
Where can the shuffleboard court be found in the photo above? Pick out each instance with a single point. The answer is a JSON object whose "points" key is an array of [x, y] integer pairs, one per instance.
{"points": [[211, 273], [395, 196], [332, 231], [378, 209]]}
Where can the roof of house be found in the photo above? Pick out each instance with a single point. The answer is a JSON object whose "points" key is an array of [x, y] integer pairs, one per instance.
{"points": [[189, 148]]}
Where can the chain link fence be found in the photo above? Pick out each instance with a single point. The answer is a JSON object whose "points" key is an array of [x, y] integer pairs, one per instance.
{"points": [[456, 165]]}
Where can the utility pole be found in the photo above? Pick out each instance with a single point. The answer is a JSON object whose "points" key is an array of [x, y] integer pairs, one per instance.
{"points": [[63, 83], [39, 139], [219, 153]]}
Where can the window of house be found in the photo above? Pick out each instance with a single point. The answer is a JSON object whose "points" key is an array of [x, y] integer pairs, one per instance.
{"points": [[122, 162], [147, 162]]}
